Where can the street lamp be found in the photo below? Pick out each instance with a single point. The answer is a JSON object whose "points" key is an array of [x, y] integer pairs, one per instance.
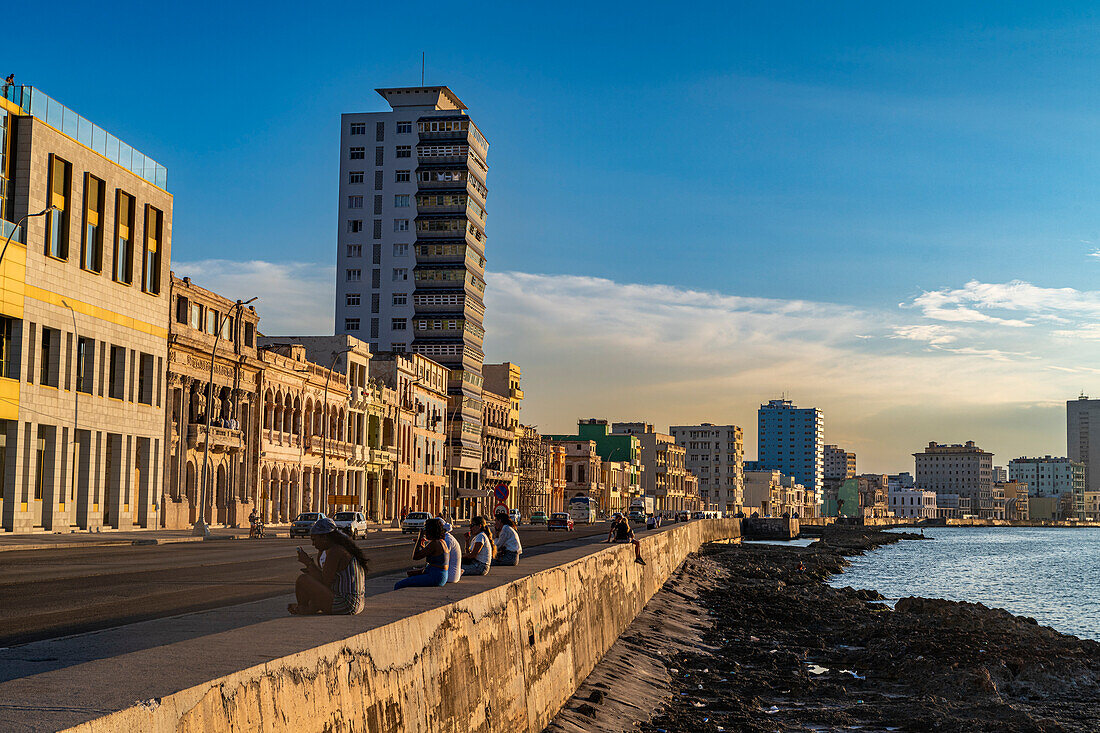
{"points": [[201, 528], [19, 223], [324, 428]]}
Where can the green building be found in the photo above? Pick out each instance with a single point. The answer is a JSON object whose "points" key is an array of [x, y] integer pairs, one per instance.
{"points": [[611, 447]]}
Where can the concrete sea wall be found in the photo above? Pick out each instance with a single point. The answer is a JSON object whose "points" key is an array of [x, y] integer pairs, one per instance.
{"points": [[506, 658]]}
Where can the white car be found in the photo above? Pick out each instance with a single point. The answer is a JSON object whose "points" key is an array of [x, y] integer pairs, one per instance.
{"points": [[414, 522], [352, 524]]}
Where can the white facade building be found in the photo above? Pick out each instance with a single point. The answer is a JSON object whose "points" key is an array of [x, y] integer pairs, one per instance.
{"points": [[912, 503], [1048, 476], [715, 454]]}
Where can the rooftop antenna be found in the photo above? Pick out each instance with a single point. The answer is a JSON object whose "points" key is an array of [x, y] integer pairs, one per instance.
{"points": [[422, 68]]}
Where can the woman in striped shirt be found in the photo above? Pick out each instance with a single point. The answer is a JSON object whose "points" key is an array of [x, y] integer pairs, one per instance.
{"points": [[335, 585]]}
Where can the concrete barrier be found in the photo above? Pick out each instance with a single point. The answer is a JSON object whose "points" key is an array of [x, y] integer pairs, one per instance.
{"points": [[506, 658]]}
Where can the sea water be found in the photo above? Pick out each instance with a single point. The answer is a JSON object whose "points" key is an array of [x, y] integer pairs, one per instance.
{"points": [[1051, 574]]}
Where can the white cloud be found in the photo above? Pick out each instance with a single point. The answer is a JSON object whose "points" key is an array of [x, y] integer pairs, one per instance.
{"points": [[1028, 304], [930, 333], [293, 297]]}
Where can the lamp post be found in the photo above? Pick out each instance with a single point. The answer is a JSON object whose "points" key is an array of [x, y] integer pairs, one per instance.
{"points": [[324, 428], [201, 528], [19, 223]]}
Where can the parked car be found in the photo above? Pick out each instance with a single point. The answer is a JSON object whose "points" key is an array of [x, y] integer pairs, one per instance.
{"points": [[560, 520], [683, 516], [636, 516], [304, 522], [352, 524], [414, 522], [538, 517]]}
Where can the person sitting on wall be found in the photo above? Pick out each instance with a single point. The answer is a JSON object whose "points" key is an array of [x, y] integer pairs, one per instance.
{"points": [[454, 554], [509, 548], [480, 549], [431, 547], [335, 582], [621, 533]]}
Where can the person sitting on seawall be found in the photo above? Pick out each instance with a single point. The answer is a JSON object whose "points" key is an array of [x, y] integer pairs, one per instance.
{"points": [[480, 549], [454, 553], [509, 548], [622, 534], [431, 546], [335, 584]]}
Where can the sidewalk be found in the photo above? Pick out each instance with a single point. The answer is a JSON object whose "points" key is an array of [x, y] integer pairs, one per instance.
{"points": [[115, 538]]}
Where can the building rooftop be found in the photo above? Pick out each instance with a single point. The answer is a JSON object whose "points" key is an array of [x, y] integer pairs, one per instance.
{"points": [[45, 108], [438, 97]]}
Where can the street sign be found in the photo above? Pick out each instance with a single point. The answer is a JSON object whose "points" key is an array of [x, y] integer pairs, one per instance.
{"points": [[501, 492], [500, 508]]}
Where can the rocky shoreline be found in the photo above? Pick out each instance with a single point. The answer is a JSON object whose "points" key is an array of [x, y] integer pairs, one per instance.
{"points": [[763, 643]]}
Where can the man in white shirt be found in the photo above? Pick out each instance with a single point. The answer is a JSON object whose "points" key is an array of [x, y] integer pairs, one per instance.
{"points": [[454, 555]]}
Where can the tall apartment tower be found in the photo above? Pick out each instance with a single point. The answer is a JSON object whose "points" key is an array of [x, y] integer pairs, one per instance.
{"points": [[1079, 445], [410, 272], [792, 440], [716, 455], [965, 470]]}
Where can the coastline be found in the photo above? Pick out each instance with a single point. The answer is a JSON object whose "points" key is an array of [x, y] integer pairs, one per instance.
{"points": [[764, 643]]}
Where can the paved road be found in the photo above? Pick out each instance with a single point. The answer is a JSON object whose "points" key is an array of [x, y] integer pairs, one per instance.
{"points": [[50, 593]]}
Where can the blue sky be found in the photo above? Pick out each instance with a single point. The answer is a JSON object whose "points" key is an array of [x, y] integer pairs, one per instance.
{"points": [[893, 170]]}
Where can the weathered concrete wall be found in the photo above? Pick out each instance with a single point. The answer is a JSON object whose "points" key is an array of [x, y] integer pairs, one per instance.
{"points": [[504, 659], [770, 528]]}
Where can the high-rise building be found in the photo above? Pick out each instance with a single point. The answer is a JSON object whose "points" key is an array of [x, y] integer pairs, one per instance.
{"points": [[965, 471], [792, 440], [410, 270], [84, 314], [1079, 444], [1049, 476], [839, 464], [715, 454]]}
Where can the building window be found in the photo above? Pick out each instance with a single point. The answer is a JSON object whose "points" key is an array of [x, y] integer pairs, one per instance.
{"points": [[398, 324], [404, 128], [401, 200], [351, 324], [124, 243], [150, 273], [404, 151], [212, 317], [249, 334], [117, 373], [355, 226], [196, 316], [85, 363], [57, 221], [398, 348], [351, 299], [379, 156], [378, 205], [355, 202], [378, 180], [358, 128], [400, 299], [400, 273], [355, 176], [379, 131], [357, 153], [401, 225], [401, 176], [355, 250], [50, 353], [374, 328], [182, 308], [8, 355], [377, 234], [145, 379], [375, 302], [376, 278], [400, 250], [354, 276], [91, 242]]}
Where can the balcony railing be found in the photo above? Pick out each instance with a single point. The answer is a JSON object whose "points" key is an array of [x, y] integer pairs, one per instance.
{"points": [[221, 439]]}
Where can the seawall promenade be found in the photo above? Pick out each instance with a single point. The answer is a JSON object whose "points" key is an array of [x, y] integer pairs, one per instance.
{"points": [[502, 652]]}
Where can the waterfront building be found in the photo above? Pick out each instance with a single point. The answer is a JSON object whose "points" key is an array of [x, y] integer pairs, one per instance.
{"points": [[1080, 413], [662, 466], [502, 382], [84, 310], [792, 440], [420, 387], [715, 454], [912, 503], [410, 270], [231, 446], [762, 492], [1043, 508], [873, 491], [962, 469], [371, 414], [1016, 500], [902, 480], [1090, 510], [838, 465], [1050, 476], [623, 447], [534, 473], [1000, 474]]}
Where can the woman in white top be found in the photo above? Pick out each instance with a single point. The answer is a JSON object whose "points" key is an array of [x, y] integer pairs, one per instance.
{"points": [[509, 547], [480, 549]]}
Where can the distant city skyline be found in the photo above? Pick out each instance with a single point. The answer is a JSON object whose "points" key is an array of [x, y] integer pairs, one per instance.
{"points": [[890, 218]]}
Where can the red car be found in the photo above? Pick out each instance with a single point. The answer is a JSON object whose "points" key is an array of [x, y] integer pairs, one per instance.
{"points": [[560, 520]]}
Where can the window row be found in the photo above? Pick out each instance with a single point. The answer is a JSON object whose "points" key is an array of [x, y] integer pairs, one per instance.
{"points": [[59, 195], [404, 127], [442, 151], [211, 320]]}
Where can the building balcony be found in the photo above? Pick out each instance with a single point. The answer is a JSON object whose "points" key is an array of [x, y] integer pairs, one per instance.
{"points": [[317, 445], [516, 393], [499, 433], [222, 440]]}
